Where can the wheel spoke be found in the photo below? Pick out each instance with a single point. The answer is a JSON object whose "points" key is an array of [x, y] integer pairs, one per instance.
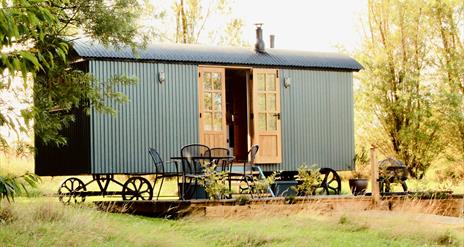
{"points": [[140, 185]]}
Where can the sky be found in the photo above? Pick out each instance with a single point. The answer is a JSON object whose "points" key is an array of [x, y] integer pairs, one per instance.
{"points": [[313, 25]]}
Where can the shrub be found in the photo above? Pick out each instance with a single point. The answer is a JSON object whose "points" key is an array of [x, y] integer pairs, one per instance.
{"points": [[262, 185], [11, 185], [310, 179], [359, 166], [215, 182]]}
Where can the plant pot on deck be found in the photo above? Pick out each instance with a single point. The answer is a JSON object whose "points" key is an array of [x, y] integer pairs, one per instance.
{"points": [[358, 186], [193, 191], [284, 188]]}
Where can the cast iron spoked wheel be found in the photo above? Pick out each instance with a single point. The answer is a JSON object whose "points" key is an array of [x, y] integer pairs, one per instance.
{"points": [[70, 191], [331, 183], [137, 188]]}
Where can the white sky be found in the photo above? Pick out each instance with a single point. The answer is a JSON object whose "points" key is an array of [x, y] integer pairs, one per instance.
{"points": [[315, 25]]}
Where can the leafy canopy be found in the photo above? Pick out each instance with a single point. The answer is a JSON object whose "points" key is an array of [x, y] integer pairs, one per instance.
{"points": [[35, 43]]}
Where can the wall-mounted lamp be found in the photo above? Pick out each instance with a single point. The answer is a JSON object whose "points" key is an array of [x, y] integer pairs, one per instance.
{"points": [[161, 77], [287, 82]]}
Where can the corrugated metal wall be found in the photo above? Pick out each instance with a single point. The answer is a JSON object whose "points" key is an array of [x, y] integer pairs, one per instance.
{"points": [[317, 119], [163, 116]]}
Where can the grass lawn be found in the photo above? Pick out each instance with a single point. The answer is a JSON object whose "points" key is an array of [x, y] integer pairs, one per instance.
{"points": [[44, 222]]}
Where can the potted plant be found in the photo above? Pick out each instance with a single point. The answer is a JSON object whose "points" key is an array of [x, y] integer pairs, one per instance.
{"points": [[359, 173]]}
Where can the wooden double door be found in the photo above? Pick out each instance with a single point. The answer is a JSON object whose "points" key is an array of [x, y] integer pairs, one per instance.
{"points": [[263, 114]]}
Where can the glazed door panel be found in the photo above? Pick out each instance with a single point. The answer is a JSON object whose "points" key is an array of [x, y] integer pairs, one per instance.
{"points": [[266, 115], [212, 107]]}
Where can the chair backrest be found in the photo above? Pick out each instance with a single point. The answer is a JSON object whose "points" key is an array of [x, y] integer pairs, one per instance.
{"points": [[218, 152], [194, 166], [252, 153], [157, 161], [222, 164]]}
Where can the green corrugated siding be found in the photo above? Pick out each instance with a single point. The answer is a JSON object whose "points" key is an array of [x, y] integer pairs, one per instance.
{"points": [[163, 116], [317, 120], [316, 110]]}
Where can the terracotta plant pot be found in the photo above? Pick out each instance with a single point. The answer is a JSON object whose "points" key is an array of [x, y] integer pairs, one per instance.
{"points": [[358, 186]]}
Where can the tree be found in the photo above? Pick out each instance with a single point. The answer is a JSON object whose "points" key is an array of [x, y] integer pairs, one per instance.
{"points": [[395, 86], [446, 21], [192, 19], [35, 40], [37, 35]]}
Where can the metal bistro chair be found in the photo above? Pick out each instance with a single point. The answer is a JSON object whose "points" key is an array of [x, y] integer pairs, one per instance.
{"points": [[192, 167], [222, 165], [161, 172], [246, 175]]}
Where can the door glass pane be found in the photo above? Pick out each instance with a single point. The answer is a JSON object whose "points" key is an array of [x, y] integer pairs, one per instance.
{"points": [[271, 102], [260, 82], [261, 120], [271, 121], [208, 104], [217, 121], [261, 102], [217, 101], [216, 78], [270, 82], [207, 121], [207, 81]]}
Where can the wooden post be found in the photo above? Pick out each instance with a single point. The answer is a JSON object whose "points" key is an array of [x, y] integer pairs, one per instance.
{"points": [[374, 175]]}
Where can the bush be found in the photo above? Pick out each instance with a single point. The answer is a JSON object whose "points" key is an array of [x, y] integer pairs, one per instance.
{"points": [[309, 178], [215, 182], [10, 185]]}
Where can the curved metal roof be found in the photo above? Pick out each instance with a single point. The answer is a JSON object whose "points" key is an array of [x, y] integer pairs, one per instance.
{"points": [[219, 55]]}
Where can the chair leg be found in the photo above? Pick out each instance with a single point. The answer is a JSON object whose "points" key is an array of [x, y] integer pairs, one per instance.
{"points": [[161, 186], [154, 184]]}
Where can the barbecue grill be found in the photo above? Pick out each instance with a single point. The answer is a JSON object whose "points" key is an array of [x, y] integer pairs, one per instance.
{"points": [[392, 171]]}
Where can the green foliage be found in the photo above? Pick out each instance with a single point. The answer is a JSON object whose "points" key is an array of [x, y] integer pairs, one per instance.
{"points": [[360, 164], [242, 200], [35, 40], [10, 185], [262, 185], [447, 22], [215, 182], [309, 178], [399, 103]]}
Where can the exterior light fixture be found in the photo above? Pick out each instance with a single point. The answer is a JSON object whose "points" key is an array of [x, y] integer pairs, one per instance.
{"points": [[161, 77], [287, 82]]}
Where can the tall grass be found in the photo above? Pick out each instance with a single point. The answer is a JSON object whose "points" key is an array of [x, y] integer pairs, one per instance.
{"points": [[41, 222]]}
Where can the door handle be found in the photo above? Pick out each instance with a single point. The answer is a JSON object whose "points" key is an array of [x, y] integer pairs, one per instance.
{"points": [[277, 115]]}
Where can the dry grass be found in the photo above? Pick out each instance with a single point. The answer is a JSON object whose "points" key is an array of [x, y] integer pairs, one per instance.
{"points": [[41, 222]]}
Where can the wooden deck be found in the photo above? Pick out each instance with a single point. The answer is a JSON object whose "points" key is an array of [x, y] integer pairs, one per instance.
{"points": [[453, 205]]}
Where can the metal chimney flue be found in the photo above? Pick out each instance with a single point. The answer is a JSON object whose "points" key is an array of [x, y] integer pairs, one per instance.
{"points": [[259, 46], [272, 41]]}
